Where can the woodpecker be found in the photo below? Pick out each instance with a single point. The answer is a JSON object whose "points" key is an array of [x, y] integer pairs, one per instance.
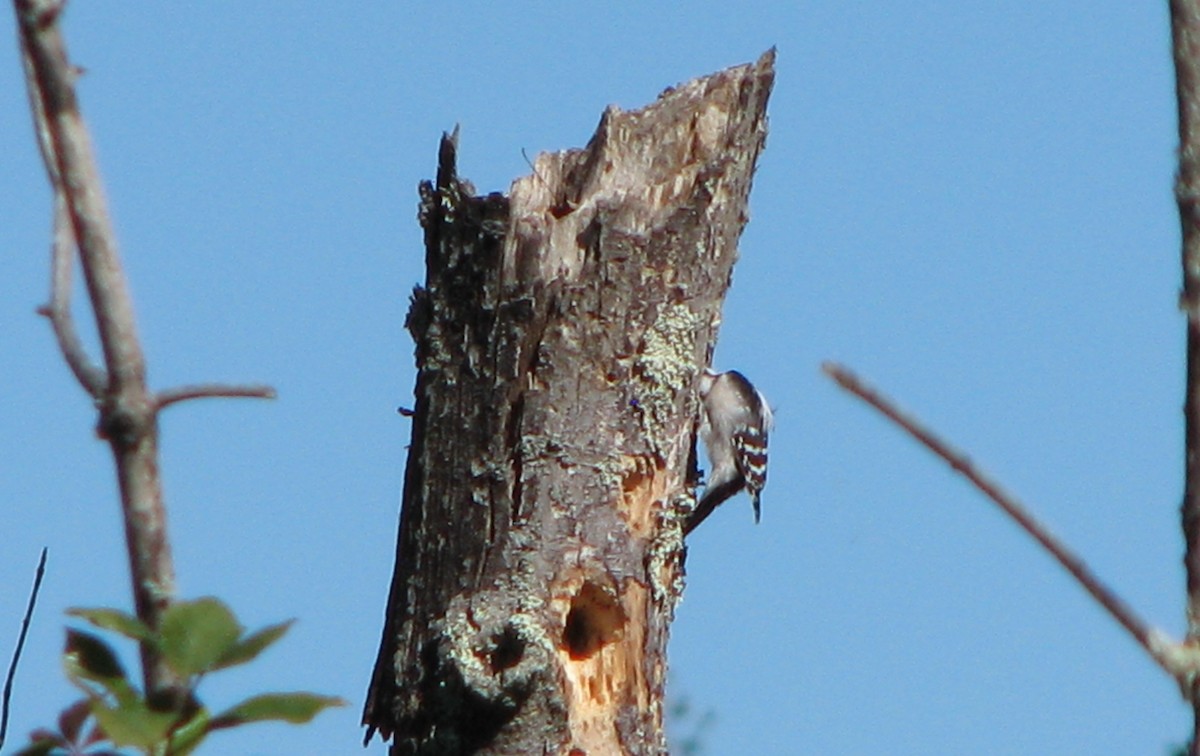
{"points": [[735, 421]]}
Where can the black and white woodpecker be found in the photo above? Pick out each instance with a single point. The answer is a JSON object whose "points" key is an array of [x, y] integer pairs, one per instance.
{"points": [[735, 421]]}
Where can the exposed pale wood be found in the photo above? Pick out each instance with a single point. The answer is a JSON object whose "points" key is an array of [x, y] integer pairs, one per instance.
{"points": [[559, 337]]}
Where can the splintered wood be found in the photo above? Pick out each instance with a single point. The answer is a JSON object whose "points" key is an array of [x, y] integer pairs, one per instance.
{"points": [[560, 333]]}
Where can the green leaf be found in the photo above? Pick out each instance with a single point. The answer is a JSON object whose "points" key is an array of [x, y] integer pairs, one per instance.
{"points": [[132, 723], [296, 708], [252, 645], [92, 657], [188, 736], [88, 659], [116, 620], [195, 635]]}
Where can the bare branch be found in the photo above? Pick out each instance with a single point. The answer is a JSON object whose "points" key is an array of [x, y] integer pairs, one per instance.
{"points": [[1185, 28], [128, 410], [1164, 652], [1185, 38], [16, 657], [212, 390], [128, 418], [76, 175], [90, 375], [38, 109]]}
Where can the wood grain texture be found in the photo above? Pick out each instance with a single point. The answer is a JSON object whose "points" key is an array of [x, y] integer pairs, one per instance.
{"points": [[559, 336]]}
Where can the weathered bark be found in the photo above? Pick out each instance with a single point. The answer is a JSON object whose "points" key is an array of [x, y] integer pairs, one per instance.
{"points": [[559, 336]]}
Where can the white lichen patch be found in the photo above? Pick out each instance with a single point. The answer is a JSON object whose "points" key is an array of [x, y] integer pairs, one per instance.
{"points": [[666, 364]]}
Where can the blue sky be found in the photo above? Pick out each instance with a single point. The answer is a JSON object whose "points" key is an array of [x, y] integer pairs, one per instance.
{"points": [[968, 202]]}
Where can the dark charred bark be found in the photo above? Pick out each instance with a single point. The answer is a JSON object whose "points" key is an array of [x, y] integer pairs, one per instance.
{"points": [[559, 336]]}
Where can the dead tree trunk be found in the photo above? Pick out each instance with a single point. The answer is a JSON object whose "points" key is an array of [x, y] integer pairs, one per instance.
{"points": [[559, 336]]}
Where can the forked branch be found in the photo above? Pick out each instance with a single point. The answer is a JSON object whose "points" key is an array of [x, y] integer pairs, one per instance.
{"points": [[128, 409]]}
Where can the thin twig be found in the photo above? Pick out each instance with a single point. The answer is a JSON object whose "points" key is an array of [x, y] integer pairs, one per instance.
{"points": [[78, 177], [1185, 45], [62, 257], [1149, 638], [1185, 28], [212, 390], [37, 107], [16, 657]]}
